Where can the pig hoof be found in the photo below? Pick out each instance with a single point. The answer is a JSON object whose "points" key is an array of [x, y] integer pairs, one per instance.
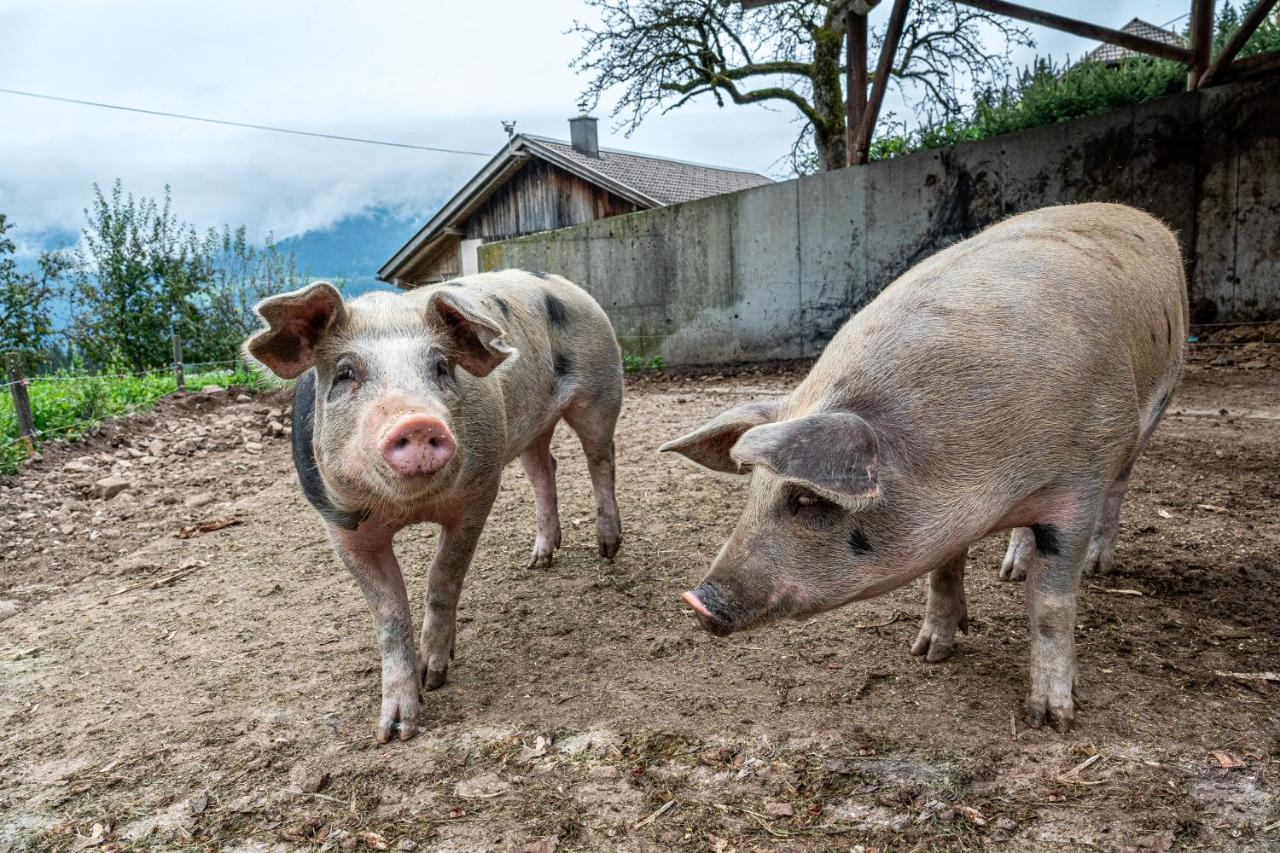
{"points": [[433, 679], [1101, 558], [399, 717], [1014, 567], [1040, 712], [937, 642], [541, 558], [609, 547]]}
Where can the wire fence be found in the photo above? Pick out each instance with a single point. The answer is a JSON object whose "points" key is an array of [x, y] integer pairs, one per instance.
{"points": [[37, 408]]}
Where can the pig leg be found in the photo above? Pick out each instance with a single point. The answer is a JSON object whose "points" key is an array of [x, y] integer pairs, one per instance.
{"points": [[945, 611], [1017, 560], [540, 467], [1052, 586], [370, 559], [1102, 547], [458, 538], [594, 425]]}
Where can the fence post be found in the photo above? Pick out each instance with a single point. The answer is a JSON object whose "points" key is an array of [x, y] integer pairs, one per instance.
{"points": [[177, 363], [21, 401]]}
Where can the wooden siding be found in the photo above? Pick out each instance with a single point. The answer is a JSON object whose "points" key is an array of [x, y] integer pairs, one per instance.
{"points": [[441, 266], [542, 197]]}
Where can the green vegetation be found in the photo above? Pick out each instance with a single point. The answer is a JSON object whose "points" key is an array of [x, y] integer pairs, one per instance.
{"points": [[66, 406], [632, 363], [1047, 93]]}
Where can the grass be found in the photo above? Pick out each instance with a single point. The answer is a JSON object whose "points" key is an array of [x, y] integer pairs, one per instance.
{"points": [[632, 363], [66, 406]]}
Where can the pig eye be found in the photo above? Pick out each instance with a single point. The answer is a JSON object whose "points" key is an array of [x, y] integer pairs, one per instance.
{"points": [[800, 499], [344, 374], [442, 368]]}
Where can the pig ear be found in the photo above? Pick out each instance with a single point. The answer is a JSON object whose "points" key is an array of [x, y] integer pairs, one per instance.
{"points": [[296, 322], [710, 444], [476, 337], [835, 455]]}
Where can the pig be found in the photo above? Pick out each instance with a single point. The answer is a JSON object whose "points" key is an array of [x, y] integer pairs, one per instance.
{"points": [[407, 408], [1008, 382]]}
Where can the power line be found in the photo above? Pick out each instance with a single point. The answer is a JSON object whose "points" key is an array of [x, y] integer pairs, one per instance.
{"points": [[244, 124]]}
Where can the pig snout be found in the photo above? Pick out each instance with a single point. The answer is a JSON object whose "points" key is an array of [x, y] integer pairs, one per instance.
{"points": [[417, 444], [711, 608]]}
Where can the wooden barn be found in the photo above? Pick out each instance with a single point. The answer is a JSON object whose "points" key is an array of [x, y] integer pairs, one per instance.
{"points": [[538, 184]]}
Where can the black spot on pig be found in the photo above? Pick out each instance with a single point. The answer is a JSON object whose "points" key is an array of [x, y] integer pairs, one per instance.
{"points": [[858, 542], [557, 314], [538, 274], [304, 456], [1046, 538], [563, 364], [502, 306], [1168, 327]]}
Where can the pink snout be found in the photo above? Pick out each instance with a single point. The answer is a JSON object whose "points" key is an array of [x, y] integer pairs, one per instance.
{"points": [[417, 445]]}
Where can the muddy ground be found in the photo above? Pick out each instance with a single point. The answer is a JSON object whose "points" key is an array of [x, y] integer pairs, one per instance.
{"points": [[220, 691]]}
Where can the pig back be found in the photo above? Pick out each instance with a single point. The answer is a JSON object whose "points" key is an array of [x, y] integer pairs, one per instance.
{"points": [[1057, 328]]}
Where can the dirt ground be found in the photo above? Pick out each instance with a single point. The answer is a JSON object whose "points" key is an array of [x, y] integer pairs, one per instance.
{"points": [[220, 691]]}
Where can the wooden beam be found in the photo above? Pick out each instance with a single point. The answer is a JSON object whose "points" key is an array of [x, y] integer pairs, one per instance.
{"points": [[856, 84], [1247, 28], [867, 126], [1201, 40], [1250, 67], [1084, 29]]}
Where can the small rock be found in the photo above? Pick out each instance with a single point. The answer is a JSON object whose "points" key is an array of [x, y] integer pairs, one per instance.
{"points": [[211, 389], [243, 398], [314, 782], [779, 810], [253, 446], [484, 786], [1007, 824], [275, 414], [76, 466], [7, 609], [407, 844], [157, 447], [199, 500], [135, 453], [275, 428], [1224, 360], [108, 487], [545, 844], [602, 771]]}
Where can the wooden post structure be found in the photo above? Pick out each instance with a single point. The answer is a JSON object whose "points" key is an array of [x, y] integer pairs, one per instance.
{"points": [[897, 18], [21, 401], [856, 81], [1229, 50], [177, 363], [1201, 40]]}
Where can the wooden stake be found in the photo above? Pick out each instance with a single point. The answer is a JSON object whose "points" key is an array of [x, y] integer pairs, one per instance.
{"points": [[856, 82], [21, 401], [1084, 29], [177, 363], [897, 18], [1229, 50], [1201, 40]]}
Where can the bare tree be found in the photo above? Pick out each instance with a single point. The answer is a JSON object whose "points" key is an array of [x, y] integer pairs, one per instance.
{"points": [[664, 53]]}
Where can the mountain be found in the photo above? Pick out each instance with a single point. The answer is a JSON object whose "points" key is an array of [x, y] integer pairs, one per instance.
{"points": [[353, 248]]}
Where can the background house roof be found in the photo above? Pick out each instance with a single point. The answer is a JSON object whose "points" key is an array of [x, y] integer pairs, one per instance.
{"points": [[1109, 53], [664, 180], [642, 179]]}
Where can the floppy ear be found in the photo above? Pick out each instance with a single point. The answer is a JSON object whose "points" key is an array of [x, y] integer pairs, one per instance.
{"points": [[835, 455], [475, 336], [709, 445], [296, 322]]}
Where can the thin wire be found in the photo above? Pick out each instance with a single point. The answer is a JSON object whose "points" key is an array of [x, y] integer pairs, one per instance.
{"points": [[243, 124]]}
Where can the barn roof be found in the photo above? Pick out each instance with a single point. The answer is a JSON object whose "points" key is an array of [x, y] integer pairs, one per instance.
{"points": [[1111, 53], [645, 180]]}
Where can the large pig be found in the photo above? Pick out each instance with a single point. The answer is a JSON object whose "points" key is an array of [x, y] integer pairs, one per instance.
{"points": [[1009, 381], [408, 407]]}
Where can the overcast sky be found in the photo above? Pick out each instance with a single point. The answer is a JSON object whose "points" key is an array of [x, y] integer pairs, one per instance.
{"points": [[427, 72]]}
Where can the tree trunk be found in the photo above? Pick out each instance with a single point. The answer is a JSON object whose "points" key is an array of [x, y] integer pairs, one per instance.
{"points": [[828, 98]]}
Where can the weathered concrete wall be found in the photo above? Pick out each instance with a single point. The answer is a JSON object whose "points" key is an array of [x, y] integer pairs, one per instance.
{"points": [[773, 272]]}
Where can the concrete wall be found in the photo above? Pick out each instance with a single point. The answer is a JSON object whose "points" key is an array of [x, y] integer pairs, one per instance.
{"points": [[772, 272]]}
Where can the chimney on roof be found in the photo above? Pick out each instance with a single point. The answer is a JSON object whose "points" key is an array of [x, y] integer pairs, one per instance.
{"points": [[582, 133]]}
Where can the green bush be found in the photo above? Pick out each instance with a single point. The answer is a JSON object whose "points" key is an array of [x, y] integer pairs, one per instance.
{"points": [[1047, 93]]}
